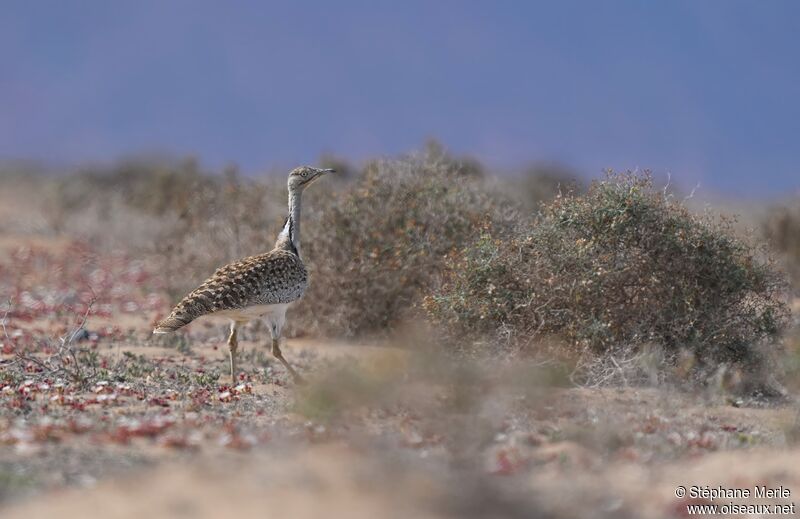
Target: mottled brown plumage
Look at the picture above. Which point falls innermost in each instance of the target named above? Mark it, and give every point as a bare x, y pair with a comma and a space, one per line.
255, 287
276, 277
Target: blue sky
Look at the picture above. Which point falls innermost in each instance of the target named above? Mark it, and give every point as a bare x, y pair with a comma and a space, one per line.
706, 90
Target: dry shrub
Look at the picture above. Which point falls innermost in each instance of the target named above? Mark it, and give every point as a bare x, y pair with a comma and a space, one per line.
782, 228
152, 186
186, 221
542, 182
622, 267
376, 248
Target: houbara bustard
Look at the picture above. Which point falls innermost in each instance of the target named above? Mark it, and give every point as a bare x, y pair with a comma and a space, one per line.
260, 286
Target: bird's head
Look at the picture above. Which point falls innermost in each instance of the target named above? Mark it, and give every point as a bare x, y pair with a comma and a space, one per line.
302, 177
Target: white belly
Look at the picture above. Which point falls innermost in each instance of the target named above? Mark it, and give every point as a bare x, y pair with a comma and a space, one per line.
273, 313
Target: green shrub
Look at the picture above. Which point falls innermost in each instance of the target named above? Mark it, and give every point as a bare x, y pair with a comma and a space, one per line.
621, 267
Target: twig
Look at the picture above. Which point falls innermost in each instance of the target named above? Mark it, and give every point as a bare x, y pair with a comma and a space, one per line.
691, 195
83, 320
621, 371
3, 320
78, 373
63, 362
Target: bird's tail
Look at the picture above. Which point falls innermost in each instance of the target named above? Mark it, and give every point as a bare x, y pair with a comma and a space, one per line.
169, 325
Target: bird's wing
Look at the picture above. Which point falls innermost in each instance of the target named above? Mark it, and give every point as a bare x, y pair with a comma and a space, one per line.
272, 278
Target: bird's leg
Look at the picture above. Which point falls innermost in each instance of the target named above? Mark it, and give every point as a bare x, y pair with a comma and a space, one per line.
276, 351
233, 344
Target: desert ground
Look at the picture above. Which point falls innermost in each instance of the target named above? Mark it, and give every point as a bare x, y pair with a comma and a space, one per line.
98, 418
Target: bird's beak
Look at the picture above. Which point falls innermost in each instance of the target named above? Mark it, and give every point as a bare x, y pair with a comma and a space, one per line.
318, 172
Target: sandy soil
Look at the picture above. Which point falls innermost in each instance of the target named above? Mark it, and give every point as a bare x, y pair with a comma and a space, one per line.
349, 477
152, 427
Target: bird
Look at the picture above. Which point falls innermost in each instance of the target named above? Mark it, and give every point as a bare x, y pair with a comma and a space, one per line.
256, 287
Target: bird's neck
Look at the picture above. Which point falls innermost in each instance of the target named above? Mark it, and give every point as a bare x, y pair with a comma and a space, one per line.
289, 238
